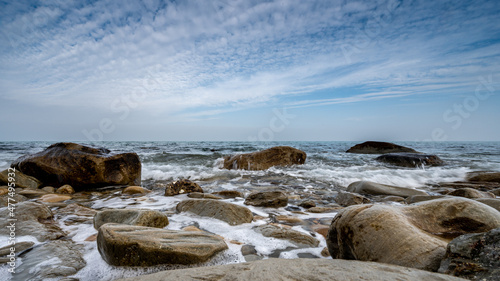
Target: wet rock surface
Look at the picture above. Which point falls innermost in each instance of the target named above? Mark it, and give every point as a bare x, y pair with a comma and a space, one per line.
125, 245
273, 199
296, 237
411, 160
265, 159
230, 213
21, 180
368, 187
181, 187
139, 217
474, 256
414, 236
81, 166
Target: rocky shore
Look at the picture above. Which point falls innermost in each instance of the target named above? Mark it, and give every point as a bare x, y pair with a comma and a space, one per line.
366, 230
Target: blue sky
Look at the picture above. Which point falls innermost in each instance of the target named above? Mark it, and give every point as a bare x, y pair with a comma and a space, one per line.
249, 70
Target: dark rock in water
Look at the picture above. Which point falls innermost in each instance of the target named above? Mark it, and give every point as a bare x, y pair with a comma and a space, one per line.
297, 269
413, 236
273, 199
229, 193
296, 237
474, 256
228, 212
307, 204
486, 177
182, 186
373, 188
265, 159
126, 245
21, 180
33, 219
378, 147
410, 159
55, 259
347, 199
470, 193
139, 217
81, 166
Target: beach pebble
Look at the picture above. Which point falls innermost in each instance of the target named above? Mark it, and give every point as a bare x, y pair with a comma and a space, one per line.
139, 217
307, 204
54, 198
296, 237
273, 199
407, 235
134, 189
49, 189
181, 187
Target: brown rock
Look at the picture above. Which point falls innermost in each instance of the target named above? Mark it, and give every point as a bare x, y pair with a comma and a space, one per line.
492, 202
410, 159
230, 213
126, 245
182, 186
53, 198
49, 189
21, 180
373, 188
3, 191
139, 217
265, 159
486, 177
203, 196
6, 199
414, 236
273, 199
422, 198
135, 190
471, 193
298, 238
378, 147
91, 238
289, 220
65, 189
229, 193
348, 198
81, 166
191, 228
325, 252
32, 193
307, 204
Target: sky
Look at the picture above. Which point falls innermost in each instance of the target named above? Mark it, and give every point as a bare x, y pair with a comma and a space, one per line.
250, 70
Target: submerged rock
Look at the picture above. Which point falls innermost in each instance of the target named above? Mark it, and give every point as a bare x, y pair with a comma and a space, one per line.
296, 237
126, 245
474, 256
224, 211
265, 159
55, 259
379, 147
33, 219
139, 217
182, 186
486, 177
297, 269
373, 188
411, 160
81, 166
21, 180
413, 236
273, 199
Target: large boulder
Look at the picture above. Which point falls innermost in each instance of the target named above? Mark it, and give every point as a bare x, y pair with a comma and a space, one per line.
265, 159
21, 180
474, 256
127, 245
485, 177
413, 236
182, 186
32, 219
297, 269
274, 199
379, 147
296, 237
373, 188
139, 217
410, 159
224, 211
55, 259
81, 166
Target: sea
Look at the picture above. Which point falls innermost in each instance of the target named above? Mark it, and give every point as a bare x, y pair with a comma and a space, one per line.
328, 169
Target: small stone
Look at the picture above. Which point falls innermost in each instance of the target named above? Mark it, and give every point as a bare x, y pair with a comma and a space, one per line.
248, 250
307, 204
181, 187
348, 198
49, 189
91, 238
139, 217
289, 220
54, 198
191, 228
134, 189
325, 252
65, 189
229, 193
298, 238
273, 199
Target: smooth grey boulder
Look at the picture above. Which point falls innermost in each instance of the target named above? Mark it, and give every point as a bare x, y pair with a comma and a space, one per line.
128, 245
139, 217
224, 211
373, 188
297, 269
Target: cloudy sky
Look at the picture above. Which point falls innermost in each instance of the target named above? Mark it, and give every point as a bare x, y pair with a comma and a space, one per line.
249, 70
